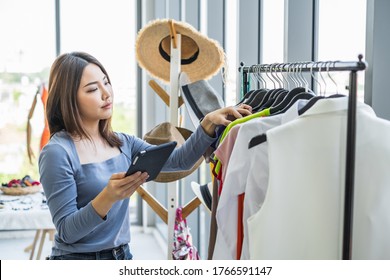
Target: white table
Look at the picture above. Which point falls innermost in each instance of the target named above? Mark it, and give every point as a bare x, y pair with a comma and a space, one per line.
27, 212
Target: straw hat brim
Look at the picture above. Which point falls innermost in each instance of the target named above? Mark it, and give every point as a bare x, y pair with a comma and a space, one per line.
166, 132
209, 60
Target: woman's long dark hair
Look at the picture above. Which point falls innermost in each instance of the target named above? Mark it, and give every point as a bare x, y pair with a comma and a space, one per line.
62, 111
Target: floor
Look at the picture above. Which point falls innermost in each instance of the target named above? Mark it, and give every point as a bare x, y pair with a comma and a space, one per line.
144, 246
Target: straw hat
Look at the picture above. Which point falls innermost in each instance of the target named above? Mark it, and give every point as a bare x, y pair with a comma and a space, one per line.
201, 57
164, 133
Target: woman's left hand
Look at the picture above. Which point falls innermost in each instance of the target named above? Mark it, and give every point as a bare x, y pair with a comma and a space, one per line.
224, 116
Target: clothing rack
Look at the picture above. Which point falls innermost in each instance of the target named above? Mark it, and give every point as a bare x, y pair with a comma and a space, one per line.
331, 66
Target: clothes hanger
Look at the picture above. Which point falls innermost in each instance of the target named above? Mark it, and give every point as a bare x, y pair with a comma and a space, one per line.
310, 104
246, 97
277, 79
280, 98
268, 94
266, 105
272, 101
337, 94
284, 77
321, 96
279, 95
290, 95
291, 75
293, 96
266, 97
257, 140
253, 96
301, 79
313, 100
257, 98
300, 96
261, 95
262, 138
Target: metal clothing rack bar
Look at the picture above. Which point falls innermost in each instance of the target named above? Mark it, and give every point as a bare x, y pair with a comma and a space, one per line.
353, 67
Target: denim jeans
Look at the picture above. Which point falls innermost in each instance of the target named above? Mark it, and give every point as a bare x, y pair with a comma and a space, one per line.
119, 253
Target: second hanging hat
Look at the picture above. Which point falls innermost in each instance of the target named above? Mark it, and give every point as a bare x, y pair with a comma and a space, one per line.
200, 98
204, 193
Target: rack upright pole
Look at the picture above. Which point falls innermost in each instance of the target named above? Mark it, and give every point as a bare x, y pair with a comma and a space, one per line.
350, 167
175, 68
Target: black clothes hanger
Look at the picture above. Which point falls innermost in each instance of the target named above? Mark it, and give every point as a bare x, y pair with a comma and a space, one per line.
269, 94
310, 104
280, 97
336, 95
257, 140
264, 106
271, 100
252, 97
299, 96
286, 100
257, 97
275, 98
265, 98
276, 92
315, 99
246, 97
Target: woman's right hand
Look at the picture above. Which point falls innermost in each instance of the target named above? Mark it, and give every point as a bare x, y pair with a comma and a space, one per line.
118, 187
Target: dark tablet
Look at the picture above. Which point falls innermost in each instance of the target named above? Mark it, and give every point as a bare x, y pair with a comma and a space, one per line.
151, 160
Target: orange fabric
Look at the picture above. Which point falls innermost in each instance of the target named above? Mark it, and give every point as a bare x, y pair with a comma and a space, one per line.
240, 224
46, 132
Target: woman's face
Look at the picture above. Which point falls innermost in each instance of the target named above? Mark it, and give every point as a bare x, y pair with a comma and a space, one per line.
94, 96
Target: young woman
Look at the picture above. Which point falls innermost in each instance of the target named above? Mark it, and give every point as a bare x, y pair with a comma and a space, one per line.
82, 167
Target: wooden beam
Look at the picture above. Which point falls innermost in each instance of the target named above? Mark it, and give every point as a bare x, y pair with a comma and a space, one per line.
157, 207
162, 93
190, 207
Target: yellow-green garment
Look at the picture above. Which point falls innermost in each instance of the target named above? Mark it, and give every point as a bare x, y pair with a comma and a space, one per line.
263, 113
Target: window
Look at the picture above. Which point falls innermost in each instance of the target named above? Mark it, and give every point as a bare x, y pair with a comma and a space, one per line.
106, 30
231, 53
341, 36
272, 34
273, 31
26, 53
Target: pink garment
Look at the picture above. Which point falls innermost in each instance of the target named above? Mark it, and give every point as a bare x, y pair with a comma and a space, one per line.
225, 148
223, 153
